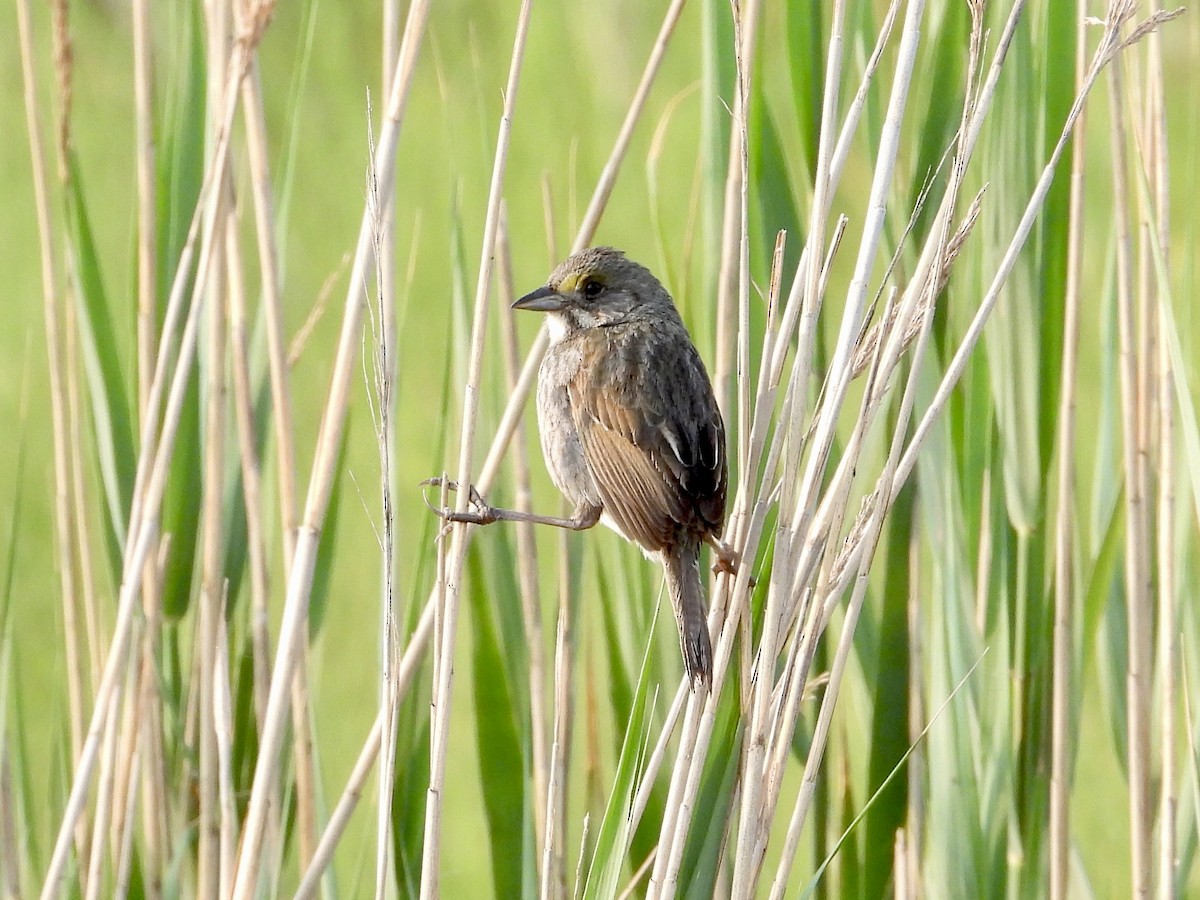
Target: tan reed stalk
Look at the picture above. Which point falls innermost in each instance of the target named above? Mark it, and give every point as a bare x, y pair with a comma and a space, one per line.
223, 725
383, 370
555, 790
1137, 568
527, 569
554, 873
127, 773
208, 856
242, 403
91, 881
1061, 745
745, 34
551, 876
124, 855
154, 788
1157, 222
320, 486
385, 373
283, 430
52, 317
303, 762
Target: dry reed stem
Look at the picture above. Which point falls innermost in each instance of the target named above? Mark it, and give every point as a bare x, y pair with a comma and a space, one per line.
52, 317
553, 868
527, 569
381, 380
388, 338
1137, 563
1158, 227
744, 40
1064, 571
212, 370
154, 801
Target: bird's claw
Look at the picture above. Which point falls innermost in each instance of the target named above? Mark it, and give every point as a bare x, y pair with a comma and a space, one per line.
728, 562
483, 514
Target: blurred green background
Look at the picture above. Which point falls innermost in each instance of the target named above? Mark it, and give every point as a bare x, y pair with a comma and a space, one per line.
582, 65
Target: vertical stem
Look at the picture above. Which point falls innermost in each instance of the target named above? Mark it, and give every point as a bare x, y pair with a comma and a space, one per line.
1137, 572
1061, 749
531, 605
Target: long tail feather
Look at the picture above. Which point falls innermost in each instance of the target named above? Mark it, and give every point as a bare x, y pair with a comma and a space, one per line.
682, 564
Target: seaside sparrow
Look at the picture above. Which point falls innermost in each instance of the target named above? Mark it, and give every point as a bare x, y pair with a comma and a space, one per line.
630, 429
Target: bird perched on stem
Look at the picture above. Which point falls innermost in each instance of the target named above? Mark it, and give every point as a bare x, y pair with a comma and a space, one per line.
630, 428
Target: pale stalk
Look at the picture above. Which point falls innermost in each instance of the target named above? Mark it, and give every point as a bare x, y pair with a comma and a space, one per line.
223, 722
1167, 613
386, 373
154, 803
553, 870
1064, 574
51, 317
527, 570
1137, 568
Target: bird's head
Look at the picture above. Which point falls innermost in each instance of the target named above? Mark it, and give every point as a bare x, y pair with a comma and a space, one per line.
597, 287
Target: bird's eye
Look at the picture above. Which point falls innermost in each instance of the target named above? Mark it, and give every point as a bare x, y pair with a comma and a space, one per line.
592, 289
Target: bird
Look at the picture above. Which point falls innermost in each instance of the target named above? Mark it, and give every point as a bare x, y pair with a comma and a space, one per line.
630, 429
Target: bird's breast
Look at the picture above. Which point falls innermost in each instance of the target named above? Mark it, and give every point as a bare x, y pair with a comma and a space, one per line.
560, 439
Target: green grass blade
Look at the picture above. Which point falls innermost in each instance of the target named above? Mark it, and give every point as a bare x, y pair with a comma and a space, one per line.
501, 758
612, 838
108, 392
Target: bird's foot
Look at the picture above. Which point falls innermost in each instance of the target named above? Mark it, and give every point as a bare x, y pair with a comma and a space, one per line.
729, 561
480, 514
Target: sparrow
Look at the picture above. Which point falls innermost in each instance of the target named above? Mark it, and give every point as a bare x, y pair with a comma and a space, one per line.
630, 428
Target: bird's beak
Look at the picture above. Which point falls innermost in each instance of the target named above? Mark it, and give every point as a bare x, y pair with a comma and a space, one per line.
544, 299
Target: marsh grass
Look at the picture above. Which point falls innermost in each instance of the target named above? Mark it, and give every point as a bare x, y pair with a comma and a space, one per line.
946, 314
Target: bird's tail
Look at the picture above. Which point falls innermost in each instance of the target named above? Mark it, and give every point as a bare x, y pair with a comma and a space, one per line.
682, 564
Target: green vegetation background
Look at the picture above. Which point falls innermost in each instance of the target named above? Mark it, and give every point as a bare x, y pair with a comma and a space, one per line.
582, 65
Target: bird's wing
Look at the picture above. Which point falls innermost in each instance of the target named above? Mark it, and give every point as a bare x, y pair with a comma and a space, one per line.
653, 437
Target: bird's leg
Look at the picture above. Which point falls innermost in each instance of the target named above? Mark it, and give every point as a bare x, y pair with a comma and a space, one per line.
584, 517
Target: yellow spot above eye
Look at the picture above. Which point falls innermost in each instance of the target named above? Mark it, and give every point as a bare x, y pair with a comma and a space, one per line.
577, 282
